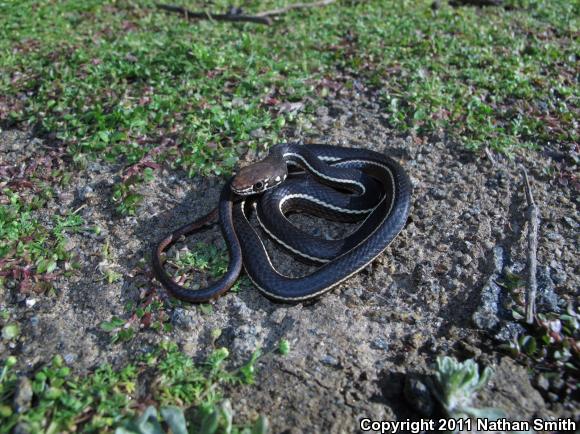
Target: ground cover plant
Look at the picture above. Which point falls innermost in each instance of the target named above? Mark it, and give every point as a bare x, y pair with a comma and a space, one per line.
55, 401
127, 86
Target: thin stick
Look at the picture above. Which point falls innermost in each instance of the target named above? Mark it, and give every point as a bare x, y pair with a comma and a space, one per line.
489, 156
190, 15
259, 18
288, 8
533, 215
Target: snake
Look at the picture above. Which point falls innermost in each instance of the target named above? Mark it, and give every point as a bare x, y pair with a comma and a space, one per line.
339, 183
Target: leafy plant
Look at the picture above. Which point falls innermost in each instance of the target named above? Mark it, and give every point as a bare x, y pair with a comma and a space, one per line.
284, 347
219, 420
149, 313
456, 384
104, 399
551, 346
204, 258
33, 252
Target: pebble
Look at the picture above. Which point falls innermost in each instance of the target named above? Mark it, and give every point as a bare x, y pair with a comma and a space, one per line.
509, 331
542, 383
85, 193
183, 319
486, 316
23, 395
438, 193
417, 394
30, 302
554, 236
466, 247
330, 360
379, 344
257, 133
547, 297
21, 428
242, 309
69, 358
322, 111
557, 274
557, 384
278, 316
571, 222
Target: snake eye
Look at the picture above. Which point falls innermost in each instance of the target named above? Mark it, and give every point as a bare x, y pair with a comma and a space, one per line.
258, 186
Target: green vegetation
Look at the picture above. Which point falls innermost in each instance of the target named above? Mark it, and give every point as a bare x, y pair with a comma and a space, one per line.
123, 81
109, 398
204, 258
31, 253
218, 421
550, 348
456, 384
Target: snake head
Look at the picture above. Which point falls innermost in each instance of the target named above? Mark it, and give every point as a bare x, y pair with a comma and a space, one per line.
258, 177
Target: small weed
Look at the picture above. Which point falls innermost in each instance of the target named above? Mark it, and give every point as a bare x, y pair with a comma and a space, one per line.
30, 253
106, 399
204, 258
10, 331
456, 384
148, 314
219, 420
552, 345
107, 265
283, 347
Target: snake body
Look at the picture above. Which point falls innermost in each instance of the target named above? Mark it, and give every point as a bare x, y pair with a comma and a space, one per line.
377, 190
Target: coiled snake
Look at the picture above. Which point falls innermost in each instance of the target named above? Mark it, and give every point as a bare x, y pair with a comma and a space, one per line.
377, 189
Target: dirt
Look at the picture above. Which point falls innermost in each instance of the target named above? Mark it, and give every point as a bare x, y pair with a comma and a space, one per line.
433, 292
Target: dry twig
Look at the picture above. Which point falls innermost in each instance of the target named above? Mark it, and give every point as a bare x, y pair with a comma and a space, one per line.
288, 8
479, 3
259, 18
489, 156
190, 15
533, 216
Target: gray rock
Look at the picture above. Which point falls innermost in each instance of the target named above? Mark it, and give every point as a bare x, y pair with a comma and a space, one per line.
509, 331
23, 395
380, 344
438, 193
183, 319
554, 236
69, 358
257, 133
354, 293
322, 111
247, 339
330, 360
542, 383
557, 384
486, 316
242, 309
21, 428
418, 396
571, 222
85, 192
557, 273
547, 300
278, 316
